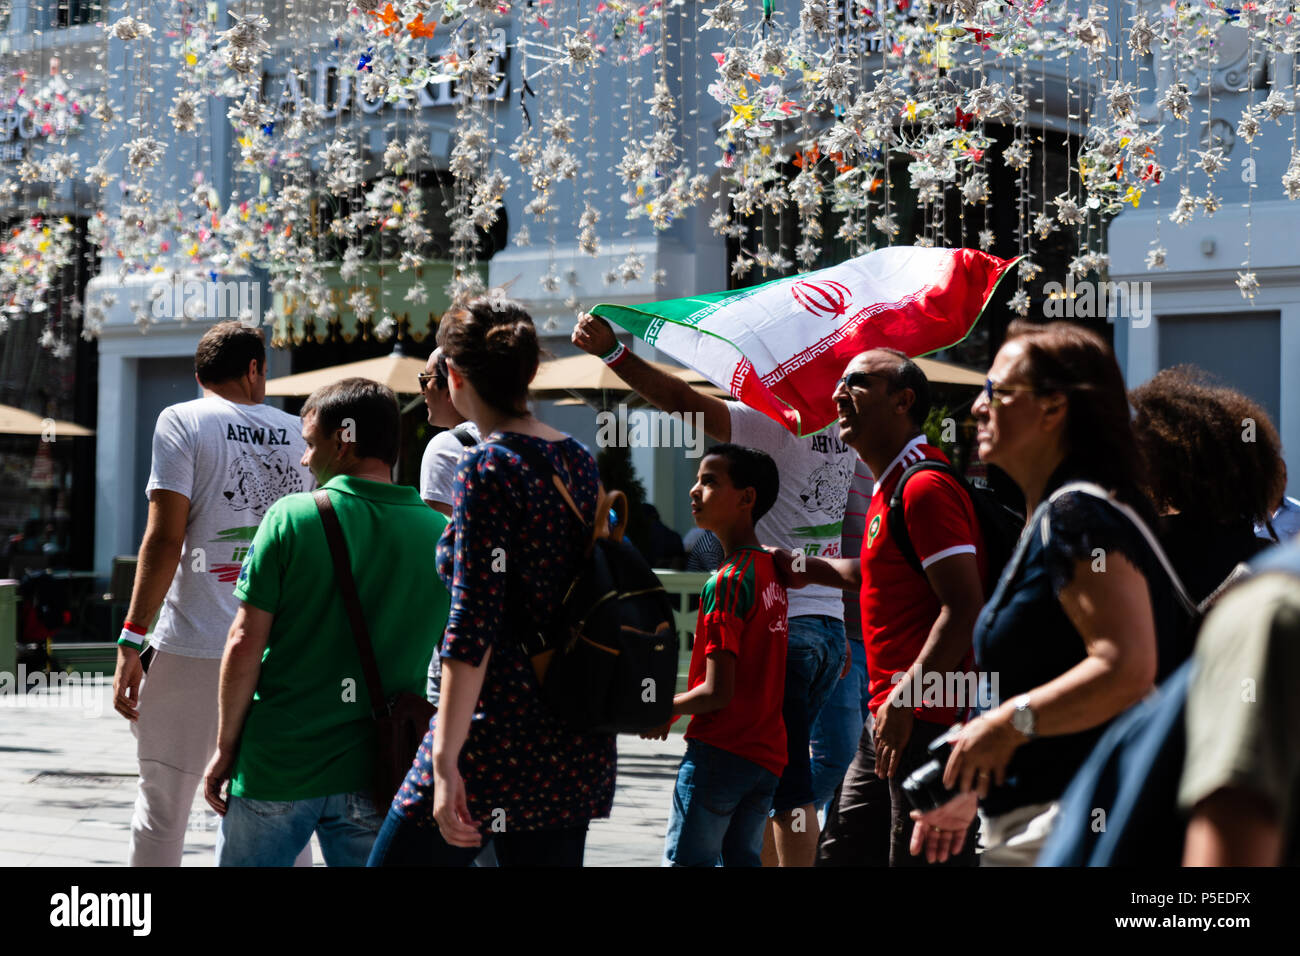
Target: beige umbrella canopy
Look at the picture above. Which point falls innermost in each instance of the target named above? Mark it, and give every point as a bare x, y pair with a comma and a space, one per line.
946, 373
587, 373
15, 421
395, 370
558, 377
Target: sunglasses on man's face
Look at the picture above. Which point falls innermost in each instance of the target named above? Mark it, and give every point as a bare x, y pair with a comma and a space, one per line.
856, 380
427, 377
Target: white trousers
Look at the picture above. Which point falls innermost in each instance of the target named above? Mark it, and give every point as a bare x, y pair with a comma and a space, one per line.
176, 736
1017, 837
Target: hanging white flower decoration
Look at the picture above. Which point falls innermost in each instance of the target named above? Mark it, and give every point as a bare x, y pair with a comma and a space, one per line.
1016, 155
1212, 160
361, 305
1248, 126
1019, 303
1141, 33
1068, 212
1291, 178
129, 28
185, 114
1156, 257
143, 153
1176, 100
1248, 284
1184, 209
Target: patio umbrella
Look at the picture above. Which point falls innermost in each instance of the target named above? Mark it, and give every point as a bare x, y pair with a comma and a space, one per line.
16, 421
396, 370
945, 373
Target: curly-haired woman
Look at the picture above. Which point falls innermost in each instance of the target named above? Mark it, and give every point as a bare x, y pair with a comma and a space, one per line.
1212, 466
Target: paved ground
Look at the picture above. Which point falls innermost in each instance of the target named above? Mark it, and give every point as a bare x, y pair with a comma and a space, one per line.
68, 775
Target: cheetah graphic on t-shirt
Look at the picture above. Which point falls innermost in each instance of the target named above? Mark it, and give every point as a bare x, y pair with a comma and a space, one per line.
827, 490
258, 481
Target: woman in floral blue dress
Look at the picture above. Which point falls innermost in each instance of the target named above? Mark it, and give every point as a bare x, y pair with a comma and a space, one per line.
496, 766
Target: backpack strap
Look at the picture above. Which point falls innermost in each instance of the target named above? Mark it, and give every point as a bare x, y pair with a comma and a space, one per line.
464, 435
538, 643
542, 464
347, 586
1097, 491
894, 516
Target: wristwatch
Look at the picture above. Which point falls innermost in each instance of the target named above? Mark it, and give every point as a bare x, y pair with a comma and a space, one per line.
1022, 718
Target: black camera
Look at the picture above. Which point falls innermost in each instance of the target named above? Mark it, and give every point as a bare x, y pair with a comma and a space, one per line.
924, 786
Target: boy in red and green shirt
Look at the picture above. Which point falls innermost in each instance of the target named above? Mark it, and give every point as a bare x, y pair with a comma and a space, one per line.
736, 746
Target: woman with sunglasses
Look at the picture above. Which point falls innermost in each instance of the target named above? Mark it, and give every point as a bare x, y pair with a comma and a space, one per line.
1083, 621
497, 766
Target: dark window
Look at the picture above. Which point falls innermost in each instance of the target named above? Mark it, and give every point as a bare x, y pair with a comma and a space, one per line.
73, 13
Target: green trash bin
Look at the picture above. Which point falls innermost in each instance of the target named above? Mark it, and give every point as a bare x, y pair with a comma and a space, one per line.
9, 626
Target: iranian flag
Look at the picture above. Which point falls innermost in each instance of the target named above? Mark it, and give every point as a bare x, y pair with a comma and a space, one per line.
781, 346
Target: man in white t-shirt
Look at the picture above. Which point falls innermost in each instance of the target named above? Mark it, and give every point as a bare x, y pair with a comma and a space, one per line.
219, 462
442, 454
438, 466
815, 474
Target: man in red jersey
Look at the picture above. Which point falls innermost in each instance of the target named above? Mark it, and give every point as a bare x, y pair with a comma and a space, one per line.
916, 627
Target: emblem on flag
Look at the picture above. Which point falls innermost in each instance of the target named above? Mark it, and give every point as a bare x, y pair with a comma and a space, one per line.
826, 298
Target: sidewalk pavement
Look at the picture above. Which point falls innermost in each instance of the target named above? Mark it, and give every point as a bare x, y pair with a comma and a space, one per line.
68, 784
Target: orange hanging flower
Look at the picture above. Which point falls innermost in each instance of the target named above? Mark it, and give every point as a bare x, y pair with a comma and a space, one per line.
387, 16
419, 29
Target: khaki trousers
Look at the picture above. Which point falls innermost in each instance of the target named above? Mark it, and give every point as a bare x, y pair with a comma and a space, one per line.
176, 736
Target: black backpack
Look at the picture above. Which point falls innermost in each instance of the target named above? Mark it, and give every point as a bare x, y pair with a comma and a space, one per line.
607, 660
1000, 526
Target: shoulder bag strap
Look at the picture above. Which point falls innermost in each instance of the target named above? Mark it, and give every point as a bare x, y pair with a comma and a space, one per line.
348, 591
1096, 491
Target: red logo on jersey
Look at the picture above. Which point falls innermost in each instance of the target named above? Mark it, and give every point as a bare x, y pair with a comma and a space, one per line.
825, 297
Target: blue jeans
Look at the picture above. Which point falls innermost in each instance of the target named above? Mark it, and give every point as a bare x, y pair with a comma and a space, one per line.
273, 832
813, 661
837, 729
403, 842
720, 806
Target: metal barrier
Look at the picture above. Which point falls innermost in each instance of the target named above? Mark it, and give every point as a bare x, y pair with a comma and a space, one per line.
681, 587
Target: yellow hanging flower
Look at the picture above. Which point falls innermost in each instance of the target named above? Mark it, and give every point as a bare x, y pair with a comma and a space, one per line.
1134, 195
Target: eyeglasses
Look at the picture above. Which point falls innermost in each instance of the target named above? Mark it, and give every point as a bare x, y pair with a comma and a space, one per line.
995, 393
425, 378
856, 380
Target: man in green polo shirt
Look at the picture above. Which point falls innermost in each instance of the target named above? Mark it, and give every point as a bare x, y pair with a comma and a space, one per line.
295, 739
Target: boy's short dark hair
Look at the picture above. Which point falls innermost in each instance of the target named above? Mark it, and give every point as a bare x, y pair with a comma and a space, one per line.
750, 468
225, 350
372, 407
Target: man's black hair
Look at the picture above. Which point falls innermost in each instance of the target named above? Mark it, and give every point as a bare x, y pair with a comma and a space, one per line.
908, 374
750, 468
